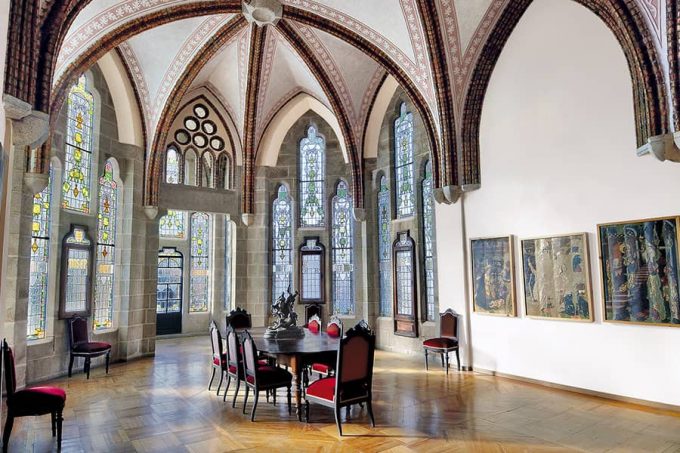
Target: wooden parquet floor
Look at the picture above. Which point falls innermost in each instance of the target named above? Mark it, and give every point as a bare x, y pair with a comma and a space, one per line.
161, 404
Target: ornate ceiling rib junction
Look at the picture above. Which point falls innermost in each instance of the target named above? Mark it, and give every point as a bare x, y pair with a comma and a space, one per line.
441, 52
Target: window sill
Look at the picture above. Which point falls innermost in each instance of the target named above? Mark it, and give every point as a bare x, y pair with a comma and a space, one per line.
199, 313
346, 316
39, 342
105, 331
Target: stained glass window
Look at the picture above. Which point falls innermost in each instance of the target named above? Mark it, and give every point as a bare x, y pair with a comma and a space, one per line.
404, 275
311, 271
229, 231
429, 239
169, 286
79, 130
384, 248
171, 225
403, 163
172, 166
312, 179
342, 245
76, 294
106, 247
282, 243
199, 286
40, 254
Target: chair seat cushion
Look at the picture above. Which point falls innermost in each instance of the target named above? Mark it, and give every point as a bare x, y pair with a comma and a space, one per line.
441, 343
320, 368
323, 389
37, 400
91, 347
271, 375
216, 360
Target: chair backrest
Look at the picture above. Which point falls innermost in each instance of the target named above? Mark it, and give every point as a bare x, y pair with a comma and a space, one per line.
334, 327
314, 324
216, 340
448, 324
249, 358
78, 331
354, 369
239, 319
233, 355
8, 365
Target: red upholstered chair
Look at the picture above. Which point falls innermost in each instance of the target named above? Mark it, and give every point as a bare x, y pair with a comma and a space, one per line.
314, 324
262, 377
353, 378
447, 340
219, 357
81, 346
30, 401
333, 329
239, 319
234, 363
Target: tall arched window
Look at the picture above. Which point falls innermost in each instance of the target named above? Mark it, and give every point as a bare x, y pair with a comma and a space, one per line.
78, 165
190, 167
207, 169
199, 285
224, 169
172, 225
384, 248
312, 179
40, 254
403, 163
229, 233
172, 166
342, 251
106, 247
282, 243
429, 241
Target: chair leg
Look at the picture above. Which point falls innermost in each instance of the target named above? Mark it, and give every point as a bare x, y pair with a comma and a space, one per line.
306, 411
87, 367
8, 430
337, 419
274, 396
238, 385
446, 354
220, 384
441, 356
60, 419
347, 412
458, 359
245, 400
369, 406
252, 413
211, 378
427, 368
54, 424
70, 365
290, 410
108, 360
227, 389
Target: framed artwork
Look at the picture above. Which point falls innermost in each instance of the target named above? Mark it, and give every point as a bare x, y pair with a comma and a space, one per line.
493, 276
76, 273
311, 266
639, 265
405, 285
557, 277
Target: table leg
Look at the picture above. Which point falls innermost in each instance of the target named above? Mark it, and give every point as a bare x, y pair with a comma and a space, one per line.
296, 370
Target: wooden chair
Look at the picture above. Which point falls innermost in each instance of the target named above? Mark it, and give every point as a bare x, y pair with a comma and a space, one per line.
447, 340
239, 319
219, 357
353, 378
234, 363
81, 346
262, 377
30, 401
333, 329
314, 324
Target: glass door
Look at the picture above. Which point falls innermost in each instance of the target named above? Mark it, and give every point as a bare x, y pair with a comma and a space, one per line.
169, 292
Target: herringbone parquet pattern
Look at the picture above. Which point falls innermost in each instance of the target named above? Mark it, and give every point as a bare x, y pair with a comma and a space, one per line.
162, 405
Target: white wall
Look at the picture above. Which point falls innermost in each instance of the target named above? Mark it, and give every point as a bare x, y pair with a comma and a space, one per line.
558, 156
4, 24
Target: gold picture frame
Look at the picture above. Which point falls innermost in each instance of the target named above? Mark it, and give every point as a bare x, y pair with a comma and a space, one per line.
492, 263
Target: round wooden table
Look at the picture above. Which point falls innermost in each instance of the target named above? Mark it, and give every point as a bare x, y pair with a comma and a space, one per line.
296, 353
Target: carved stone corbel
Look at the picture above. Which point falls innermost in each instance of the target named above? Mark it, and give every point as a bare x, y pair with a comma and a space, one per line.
151, 212
439, 196
359, 214
36, 182
262, 12
662, 147
247, 219
29, 127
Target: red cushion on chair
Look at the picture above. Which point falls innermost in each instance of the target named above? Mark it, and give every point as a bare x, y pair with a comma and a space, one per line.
37, 400
232, 369
323, 388
263, 362
320, 368
93, 346
442, 343
314, 326
333, 330
271, 375
216, 360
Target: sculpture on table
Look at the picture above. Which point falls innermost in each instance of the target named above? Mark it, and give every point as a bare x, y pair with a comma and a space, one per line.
285, 318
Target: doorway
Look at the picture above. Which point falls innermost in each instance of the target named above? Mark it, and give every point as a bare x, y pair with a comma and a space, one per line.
169, 292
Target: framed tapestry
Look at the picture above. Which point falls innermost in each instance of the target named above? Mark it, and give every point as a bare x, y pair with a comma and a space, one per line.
639, 265
556, 273
493, 276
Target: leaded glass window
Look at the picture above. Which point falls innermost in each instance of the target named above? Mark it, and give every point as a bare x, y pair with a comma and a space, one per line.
79, 130
429, 239
171, 225
404, 263
106, 247
312, 179
172, 166
312, 287
403, 163
282, 243
190, 167
40, 254
169, 286
229, 231
199, 285
76, 273
342, 251
384, 250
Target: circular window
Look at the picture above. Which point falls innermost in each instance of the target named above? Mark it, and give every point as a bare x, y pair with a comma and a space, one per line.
200, 140
216, 143
209, 127
200, 111
191, 124
182, 137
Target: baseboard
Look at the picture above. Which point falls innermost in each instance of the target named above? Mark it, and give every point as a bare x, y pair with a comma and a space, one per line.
669, 409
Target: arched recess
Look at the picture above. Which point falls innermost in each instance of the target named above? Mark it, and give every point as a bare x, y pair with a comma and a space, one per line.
626, 21
270, 144
375, 119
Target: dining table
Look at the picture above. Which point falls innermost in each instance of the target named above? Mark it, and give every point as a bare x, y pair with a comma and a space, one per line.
297, 353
